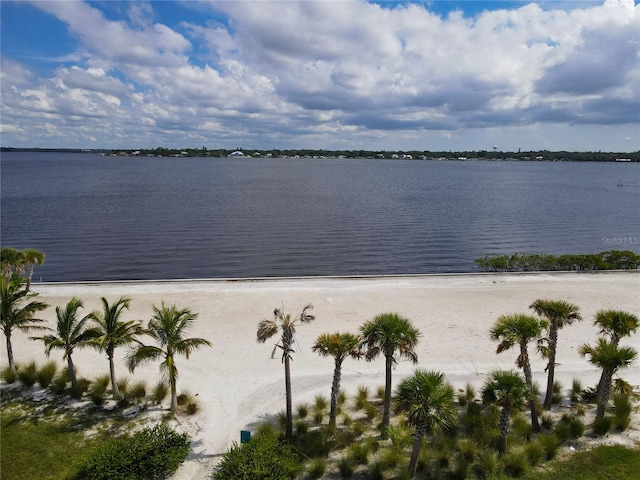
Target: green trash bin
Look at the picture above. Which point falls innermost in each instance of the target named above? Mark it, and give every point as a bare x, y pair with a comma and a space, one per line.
245, 436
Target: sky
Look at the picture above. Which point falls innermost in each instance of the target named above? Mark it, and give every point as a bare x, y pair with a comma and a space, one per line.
329, 74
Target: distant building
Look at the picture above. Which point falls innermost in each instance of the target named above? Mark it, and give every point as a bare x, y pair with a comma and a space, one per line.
237, 153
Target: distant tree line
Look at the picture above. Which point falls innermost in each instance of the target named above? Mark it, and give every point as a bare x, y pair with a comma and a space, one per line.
540, 156
536, 262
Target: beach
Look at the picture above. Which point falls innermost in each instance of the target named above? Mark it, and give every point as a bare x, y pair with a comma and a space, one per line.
238, 384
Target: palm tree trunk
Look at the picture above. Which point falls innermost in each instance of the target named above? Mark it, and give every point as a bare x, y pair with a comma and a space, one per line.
29, 276
174, 394
604, 391
387, 397
335, 390
72, 371
504, 431
415, 451
12, 365
112, 372
526, 367
551, 366
287, 386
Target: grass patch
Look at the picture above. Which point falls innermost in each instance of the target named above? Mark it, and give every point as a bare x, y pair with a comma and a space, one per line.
600, 463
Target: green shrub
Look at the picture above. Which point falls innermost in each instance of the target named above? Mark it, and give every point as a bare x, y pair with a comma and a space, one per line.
192, 408
303, 410
569, 426
183, 398
320, 403
317, 418
521, 427
535, 452
515, 462
622, 411
576, 390
28, 374
467, 449
400, 436
486, 465
362, 398
550, 443
123, 387
317, 467
360, 452
393, 457
150, 453
159, 393
58, 385
546, 421
346, 467
98, 389
301, 428
268, 428
376, 470
9, 375
358, 428
380, 391
263, 457
556, 393
342, 398
346, 420
589, 395
46, 373
138, 390
80, 388
371, 411
602, 427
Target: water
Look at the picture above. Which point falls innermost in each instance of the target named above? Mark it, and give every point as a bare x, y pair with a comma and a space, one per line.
112, 218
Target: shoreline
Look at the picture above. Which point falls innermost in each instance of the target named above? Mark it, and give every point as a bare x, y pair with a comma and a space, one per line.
238, 384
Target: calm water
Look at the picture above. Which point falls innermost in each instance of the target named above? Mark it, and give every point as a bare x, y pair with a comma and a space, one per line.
106, 218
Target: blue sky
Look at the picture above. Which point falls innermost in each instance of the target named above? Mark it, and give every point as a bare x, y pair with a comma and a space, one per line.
429, 75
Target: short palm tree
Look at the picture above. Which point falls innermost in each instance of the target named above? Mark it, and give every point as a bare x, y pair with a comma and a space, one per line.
389, 333
71, 333
114, 333
559, 314
610, 358
31, 257
287, 324
520, 329
509, 391
17, 312
168, 328
339, 346
11, 261
427, 401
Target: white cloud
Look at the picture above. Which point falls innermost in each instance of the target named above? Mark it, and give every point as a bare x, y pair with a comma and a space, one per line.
303, 72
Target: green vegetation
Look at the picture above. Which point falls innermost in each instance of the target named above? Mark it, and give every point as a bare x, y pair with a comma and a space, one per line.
537, 262
150, 453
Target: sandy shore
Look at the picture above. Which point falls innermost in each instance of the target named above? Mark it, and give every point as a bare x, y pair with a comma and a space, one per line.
238, 384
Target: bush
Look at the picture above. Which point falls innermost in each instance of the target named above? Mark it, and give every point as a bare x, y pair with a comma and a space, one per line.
589, 395
556, 393
317, 467
98, 389
576, 390
346, 467
80, 388
123, 387
393, 457
362, 397
376, 470
515, 463
535, 452
138, 390
28, 374
301, 428
486, 464
622, 411
303, 410
400, 436
8, 375
360, 452
546, 421
371, 411
46, 373
602, 427
569, 426
380, 391
160, 392
150, 453
262, 457
184, 398
192, 408
550, 443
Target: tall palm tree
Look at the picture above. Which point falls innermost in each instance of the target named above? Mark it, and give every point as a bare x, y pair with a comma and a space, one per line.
31, 257
287, 324
10, 261
427, 401
168, 328
558, 313
386, 334
339, 346
71, 333
611, 358
520, 329
509, 391
615, 324
15, 314
114, 333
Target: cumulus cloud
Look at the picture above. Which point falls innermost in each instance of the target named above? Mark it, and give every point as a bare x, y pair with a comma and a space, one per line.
257, 73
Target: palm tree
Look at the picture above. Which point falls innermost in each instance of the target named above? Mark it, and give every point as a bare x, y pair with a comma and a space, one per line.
520, 329
14, 314
168, 327
558, 313
10, 261
31, 257
114, 333
509, 391
611, 358
71, 333
339, 346
616, 324
427, 401
386, 334
267, 329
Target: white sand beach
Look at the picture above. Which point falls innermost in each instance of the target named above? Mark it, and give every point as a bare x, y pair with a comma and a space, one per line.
238, 384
